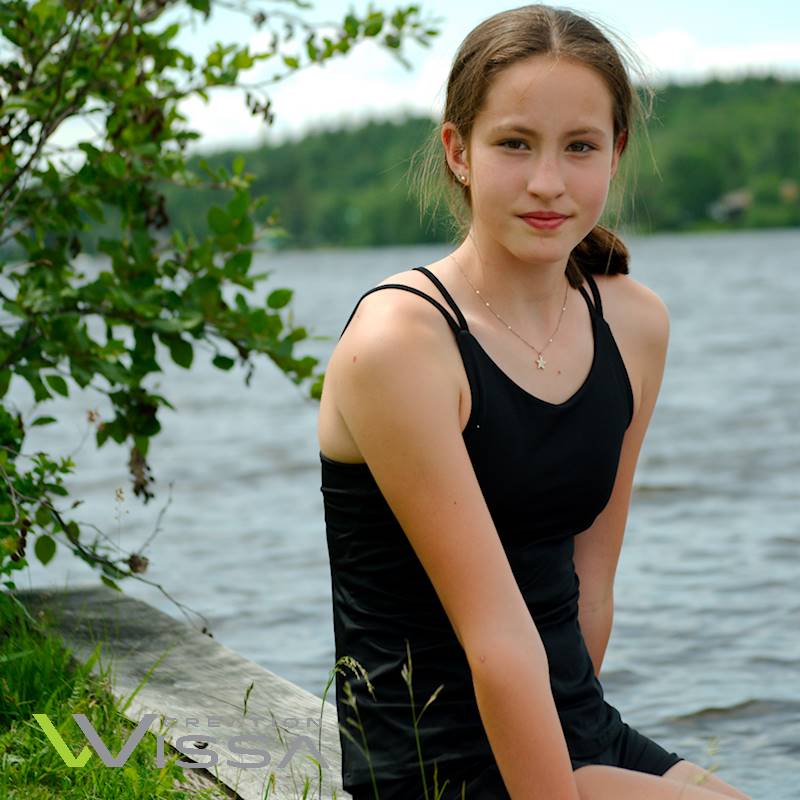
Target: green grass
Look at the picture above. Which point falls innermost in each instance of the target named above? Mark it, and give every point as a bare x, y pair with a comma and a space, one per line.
38, 675
355, 722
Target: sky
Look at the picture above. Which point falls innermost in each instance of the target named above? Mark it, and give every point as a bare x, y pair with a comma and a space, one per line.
682, 40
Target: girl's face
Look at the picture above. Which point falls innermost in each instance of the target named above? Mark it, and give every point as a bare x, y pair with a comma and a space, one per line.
542, 142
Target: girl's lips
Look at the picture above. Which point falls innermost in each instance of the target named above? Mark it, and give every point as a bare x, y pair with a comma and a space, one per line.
542, 223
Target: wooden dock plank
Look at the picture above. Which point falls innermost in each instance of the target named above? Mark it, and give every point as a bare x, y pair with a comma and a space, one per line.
199, 689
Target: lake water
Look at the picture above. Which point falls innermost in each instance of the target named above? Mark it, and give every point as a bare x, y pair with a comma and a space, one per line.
704, 656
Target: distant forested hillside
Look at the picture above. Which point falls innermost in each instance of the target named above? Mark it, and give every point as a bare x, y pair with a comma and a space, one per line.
335, 187
726, 151
727, 155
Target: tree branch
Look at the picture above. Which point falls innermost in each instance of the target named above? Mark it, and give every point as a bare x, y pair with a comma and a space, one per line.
50, 124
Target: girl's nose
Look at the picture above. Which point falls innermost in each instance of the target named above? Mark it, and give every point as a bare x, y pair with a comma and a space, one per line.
545, 178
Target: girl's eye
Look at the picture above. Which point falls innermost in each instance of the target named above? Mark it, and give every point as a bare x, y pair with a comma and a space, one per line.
589, 147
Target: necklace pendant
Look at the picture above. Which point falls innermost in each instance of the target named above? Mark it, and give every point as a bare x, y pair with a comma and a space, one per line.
540, 362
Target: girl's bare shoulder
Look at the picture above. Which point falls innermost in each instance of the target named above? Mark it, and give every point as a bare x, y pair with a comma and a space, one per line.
634, 309
398, 314
402, 305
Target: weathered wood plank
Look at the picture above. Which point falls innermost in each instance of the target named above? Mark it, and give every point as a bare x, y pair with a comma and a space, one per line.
198, 688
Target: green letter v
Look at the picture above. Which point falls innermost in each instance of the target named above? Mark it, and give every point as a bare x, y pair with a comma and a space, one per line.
61, 748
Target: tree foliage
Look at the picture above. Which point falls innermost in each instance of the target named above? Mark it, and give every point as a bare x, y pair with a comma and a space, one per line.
717, 137
115, 65
348, 187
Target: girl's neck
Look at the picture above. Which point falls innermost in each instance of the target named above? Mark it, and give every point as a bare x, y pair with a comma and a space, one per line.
515, 289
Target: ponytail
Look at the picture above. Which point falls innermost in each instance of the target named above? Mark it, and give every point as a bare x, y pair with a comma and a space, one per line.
599, 252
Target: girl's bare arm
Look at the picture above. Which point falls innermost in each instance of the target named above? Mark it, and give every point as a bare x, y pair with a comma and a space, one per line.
399, 400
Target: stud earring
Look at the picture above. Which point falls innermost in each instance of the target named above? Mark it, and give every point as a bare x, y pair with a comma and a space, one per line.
462, 178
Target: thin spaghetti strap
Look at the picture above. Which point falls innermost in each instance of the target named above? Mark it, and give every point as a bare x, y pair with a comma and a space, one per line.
598, 303
445, 313
452, 303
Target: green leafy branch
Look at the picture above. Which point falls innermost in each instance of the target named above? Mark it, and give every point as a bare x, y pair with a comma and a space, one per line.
111, 65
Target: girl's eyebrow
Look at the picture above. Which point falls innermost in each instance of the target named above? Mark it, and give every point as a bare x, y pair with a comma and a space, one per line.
531, 132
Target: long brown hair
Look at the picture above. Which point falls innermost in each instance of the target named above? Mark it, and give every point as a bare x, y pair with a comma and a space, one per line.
494, 45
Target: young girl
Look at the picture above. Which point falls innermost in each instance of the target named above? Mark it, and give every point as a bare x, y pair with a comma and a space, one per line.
479, 431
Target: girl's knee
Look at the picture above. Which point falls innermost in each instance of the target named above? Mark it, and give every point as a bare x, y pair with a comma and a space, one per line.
686, 772
600, 782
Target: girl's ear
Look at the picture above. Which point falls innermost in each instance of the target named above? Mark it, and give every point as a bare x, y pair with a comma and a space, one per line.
619, 148
454, 149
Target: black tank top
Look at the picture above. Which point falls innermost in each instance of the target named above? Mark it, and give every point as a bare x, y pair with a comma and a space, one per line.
546, 471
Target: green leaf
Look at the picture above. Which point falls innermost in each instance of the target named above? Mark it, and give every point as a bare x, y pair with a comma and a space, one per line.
80, 375
258, 320
279, 298
170, 32
223, 362
351, 25
102, 435
73, 531
5, 380
108, 582
14, 308
201, 5
298, 334
245, 231
143, 444
241, 303
43, 421
115, 165
14, 101
188, 321
91, 151
44, 548
43, 516
291, 61
44, 9
40, 392
140, 244
238, 263
237, 207
114, 372
181, 351
238, 165
219, 221
57, 384
243, 60
179, 241
373, 24
145, 347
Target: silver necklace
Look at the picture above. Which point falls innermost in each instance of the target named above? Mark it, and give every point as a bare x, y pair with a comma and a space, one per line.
540, 362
